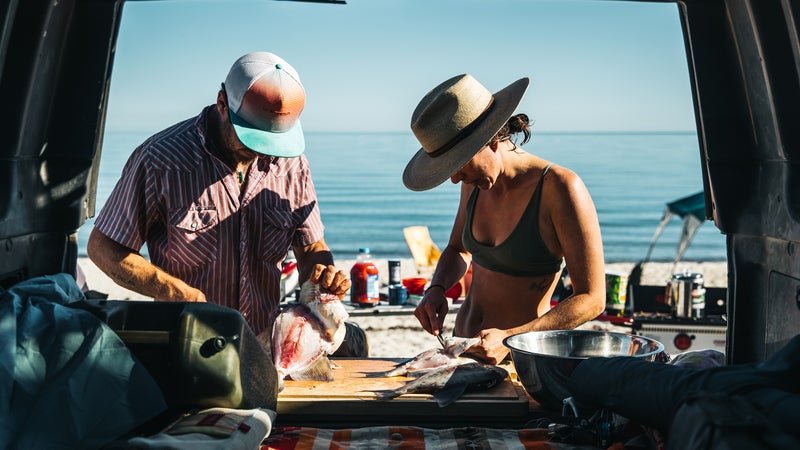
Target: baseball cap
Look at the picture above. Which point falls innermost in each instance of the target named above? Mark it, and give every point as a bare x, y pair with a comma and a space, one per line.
265, 99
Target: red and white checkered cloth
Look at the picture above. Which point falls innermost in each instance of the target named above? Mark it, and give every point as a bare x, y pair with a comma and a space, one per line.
396, 437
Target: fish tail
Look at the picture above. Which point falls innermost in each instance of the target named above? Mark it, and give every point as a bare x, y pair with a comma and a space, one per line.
448, 395
319, 370
281, 385
384, 395
398, 372
388, 374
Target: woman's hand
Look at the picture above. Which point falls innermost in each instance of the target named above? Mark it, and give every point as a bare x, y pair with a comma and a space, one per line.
432, 310
491, 349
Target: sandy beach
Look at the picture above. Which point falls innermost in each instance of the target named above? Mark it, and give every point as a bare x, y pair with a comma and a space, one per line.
400, 336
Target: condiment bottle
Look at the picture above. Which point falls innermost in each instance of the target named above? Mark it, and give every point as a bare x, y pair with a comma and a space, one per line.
365, 283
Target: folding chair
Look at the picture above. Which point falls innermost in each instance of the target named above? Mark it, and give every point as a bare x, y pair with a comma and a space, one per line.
426, 254
424, 251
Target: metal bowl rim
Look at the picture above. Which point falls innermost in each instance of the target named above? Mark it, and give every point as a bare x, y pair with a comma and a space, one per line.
659, 345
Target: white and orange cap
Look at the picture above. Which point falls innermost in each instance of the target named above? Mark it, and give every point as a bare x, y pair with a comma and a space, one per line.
265, 99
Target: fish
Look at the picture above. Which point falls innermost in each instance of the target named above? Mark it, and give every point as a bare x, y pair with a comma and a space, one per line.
448, 383
433, 358
328, 308
306, 333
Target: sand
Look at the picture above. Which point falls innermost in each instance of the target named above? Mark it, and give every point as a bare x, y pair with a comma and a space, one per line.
400, 336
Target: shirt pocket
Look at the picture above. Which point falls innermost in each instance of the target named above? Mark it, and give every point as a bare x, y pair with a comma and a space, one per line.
278, 229
194, 236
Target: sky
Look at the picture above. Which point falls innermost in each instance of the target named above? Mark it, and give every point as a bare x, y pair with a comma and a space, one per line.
594, 65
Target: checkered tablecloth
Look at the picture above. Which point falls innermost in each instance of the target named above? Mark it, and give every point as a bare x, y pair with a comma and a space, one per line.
396, 437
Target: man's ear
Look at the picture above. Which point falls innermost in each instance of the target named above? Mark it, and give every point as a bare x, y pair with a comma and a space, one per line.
222, 102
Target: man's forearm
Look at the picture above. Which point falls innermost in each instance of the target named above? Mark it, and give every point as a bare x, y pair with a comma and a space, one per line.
311, 255
132, 271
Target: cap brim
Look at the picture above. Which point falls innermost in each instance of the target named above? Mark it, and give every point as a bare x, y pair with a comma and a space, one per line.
287, 144
423, 172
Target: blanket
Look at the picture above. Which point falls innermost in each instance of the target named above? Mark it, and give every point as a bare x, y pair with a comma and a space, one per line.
296, 438
66, 379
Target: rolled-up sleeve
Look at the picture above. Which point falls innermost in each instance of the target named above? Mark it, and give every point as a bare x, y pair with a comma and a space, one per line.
130, 208
311, 229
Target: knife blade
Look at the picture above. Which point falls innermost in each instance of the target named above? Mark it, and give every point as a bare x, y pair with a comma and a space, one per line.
441, 339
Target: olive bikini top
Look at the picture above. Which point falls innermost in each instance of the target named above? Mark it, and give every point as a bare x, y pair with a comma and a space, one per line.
523, 253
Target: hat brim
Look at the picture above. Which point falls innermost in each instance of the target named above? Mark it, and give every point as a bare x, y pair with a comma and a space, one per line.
288, 144
423, 172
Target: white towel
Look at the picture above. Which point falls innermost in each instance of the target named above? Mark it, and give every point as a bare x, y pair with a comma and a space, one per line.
214, 428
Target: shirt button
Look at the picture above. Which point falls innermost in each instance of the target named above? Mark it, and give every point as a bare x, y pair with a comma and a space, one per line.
194, 225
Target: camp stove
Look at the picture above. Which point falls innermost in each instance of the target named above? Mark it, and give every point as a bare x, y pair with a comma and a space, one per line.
656, 318
682, 334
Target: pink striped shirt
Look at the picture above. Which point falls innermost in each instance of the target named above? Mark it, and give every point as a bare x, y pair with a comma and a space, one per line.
186, 205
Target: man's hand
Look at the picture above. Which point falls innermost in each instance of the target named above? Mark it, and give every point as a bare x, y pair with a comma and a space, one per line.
317, 261
331, 279
190, 294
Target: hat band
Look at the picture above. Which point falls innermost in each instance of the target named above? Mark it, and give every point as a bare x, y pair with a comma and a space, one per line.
464, 131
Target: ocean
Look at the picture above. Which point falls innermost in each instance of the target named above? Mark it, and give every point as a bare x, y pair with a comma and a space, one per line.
631, 177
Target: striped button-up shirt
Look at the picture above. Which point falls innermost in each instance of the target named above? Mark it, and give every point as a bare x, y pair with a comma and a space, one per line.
186, 205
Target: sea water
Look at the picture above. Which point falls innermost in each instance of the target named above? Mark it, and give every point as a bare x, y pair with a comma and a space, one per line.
358, 178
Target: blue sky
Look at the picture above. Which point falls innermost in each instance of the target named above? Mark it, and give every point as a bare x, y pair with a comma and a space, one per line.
595, 65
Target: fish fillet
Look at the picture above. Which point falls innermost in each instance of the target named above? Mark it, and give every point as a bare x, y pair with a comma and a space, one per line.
434, 358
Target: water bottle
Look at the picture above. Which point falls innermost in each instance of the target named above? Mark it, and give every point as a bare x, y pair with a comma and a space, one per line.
365, 283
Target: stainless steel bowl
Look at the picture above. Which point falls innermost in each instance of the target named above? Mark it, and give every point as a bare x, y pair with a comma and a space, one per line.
544, 360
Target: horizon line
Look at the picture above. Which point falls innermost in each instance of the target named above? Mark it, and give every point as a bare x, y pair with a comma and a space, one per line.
409, 131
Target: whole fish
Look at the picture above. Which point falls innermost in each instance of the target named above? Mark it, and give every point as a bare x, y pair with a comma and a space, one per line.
447, 384
433, 358
304, 334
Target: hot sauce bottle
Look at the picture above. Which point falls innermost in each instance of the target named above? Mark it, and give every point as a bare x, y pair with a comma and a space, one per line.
364, 280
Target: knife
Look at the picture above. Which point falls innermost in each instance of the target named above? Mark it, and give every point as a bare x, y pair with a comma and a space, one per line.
441, 339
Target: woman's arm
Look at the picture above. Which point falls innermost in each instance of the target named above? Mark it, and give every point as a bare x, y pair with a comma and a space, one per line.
451, 267
577, 230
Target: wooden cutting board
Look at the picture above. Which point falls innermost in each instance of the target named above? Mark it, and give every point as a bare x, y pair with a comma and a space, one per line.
352, 393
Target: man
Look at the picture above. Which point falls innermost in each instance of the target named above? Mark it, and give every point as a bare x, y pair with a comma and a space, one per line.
219, 199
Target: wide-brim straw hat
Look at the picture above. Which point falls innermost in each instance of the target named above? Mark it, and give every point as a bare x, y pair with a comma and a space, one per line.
453, 122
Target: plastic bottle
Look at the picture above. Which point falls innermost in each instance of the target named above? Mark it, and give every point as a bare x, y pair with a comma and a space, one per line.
364, 279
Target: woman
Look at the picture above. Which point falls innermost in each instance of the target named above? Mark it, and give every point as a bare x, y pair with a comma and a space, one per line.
519, 218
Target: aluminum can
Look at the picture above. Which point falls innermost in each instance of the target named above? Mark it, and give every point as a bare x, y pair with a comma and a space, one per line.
616, 292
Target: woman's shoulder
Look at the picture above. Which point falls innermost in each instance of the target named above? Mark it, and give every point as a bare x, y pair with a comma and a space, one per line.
559, 175
563, 182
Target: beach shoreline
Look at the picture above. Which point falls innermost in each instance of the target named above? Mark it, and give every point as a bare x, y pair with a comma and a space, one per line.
400, 336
